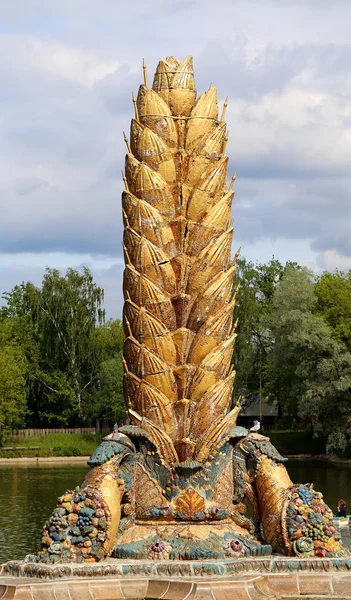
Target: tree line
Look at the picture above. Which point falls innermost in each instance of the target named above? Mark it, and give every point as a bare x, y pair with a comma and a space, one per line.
294, 344
61, 360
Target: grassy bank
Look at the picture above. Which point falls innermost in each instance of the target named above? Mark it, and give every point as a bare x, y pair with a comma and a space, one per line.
297, 442
70, 444
57, 444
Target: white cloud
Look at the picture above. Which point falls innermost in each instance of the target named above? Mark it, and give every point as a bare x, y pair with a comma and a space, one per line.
52, 59
296, 129
330, 260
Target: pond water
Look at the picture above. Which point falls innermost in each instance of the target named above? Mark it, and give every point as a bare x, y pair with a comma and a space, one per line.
27, 497
28, 494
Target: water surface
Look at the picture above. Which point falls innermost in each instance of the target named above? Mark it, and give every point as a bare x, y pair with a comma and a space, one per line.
28, 494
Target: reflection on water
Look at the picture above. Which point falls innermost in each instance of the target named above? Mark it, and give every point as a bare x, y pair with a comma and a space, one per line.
28, 494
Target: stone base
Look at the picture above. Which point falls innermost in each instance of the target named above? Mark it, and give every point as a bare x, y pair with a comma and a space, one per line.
237, 579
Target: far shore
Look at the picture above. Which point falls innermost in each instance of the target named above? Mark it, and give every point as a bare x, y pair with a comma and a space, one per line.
23, 460
322, 457
70, 460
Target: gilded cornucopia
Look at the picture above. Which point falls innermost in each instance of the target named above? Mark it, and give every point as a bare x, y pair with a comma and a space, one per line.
172, 485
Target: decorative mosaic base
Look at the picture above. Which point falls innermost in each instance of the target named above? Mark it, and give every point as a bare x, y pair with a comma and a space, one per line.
240, 579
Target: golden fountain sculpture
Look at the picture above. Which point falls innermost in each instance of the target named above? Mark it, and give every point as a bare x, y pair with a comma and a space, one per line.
172, 485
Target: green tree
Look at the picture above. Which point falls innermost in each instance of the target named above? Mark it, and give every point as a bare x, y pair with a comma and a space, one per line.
288, 322
108, 403
333, 292
16, 318
67, 310
19, 302
13, 368
110, 338
110, 400
254, 304
63, 315
307, 371
327, 393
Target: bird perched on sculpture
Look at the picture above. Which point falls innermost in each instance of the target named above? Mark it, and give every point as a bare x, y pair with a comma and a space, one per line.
256, 426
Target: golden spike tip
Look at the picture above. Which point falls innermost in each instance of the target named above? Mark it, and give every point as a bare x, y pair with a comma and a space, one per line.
127, 143
127, 255
125, 182
225, 142
233, 329
135, 107
146, 83
232, 181
225, 105
130, 333
125, 216
235, 292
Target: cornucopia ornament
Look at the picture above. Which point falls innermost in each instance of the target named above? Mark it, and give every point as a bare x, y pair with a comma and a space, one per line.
173, 483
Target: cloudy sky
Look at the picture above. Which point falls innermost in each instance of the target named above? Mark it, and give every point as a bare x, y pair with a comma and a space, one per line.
67, 70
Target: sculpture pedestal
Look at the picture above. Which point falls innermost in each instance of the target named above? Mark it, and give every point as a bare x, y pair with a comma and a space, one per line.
240, 579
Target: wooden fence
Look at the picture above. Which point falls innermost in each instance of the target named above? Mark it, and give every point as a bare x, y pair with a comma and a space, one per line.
21, 433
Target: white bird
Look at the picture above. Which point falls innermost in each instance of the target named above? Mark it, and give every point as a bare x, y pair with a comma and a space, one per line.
255, 426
